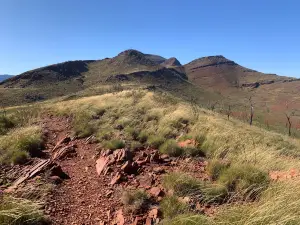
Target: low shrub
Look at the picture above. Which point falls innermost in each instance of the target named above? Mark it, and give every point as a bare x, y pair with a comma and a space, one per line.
170, 207
143, 136
5, 124
245, 181
171, 148
17, 146
132, 132
215, 167
114, 144
105, 134
193, 151
155, 141
188, 219
182, 184
83, 125
16, 211
135, 145
134, 201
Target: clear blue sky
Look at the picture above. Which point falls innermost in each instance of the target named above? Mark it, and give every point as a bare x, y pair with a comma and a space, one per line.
259, 34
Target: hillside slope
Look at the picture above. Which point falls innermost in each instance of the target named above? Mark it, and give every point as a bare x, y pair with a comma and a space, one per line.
219, 72
144, 157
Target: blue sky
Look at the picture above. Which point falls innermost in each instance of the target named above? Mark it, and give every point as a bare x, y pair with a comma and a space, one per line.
259, 34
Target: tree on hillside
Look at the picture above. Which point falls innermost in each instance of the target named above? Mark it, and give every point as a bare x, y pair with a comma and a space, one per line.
251, 110
288, 114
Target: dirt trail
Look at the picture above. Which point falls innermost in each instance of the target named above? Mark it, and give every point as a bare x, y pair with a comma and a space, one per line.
80, 199
88, 198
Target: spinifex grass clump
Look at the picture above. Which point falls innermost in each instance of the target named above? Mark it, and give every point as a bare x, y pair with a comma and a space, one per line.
17, 146
16, 211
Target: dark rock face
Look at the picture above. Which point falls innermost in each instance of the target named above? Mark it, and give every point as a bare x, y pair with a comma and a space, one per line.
161, 74
56, 72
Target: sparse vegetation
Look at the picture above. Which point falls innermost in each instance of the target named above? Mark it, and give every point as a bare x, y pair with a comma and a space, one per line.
171, 148
17, 146
134, 201
171, 207
155, 141
114, 144
244, 180
16, 211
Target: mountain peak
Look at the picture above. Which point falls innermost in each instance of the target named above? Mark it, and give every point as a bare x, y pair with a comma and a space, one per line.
171, 62
212, 61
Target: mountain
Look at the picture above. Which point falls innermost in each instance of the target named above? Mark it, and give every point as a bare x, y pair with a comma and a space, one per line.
171, 62
207, 80
218, 72
4, 77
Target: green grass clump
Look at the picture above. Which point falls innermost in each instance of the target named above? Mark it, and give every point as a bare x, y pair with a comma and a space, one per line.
184, 185
215, 167
132, 132
171, 148
188, 219
83, 125
192, 151
143, 136
135, 145
16, 211
134, 201
171, 207
114, 144
17, 146
244, 180
5, 124
104, 134
155, 141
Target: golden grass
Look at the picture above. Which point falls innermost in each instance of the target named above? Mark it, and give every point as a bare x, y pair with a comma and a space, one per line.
229, 140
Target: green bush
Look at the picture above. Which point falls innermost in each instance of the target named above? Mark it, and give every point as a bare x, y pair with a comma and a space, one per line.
135, 145
171, 148
114, 144
132, 132
246, 181
105, 134
143, 136
188, 219
16, 211
17, 146
215, 167
171, 207
192, 151
83, 125
5, 124
182, 184
155, 141
134, 201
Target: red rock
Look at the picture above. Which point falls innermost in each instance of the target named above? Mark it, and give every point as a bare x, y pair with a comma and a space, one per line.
158, 170
155, 191
148, 221
138, 221
101, 163
146, 181
119, 218
153, 214
64, 140
122, 155
116, 179
154, 157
